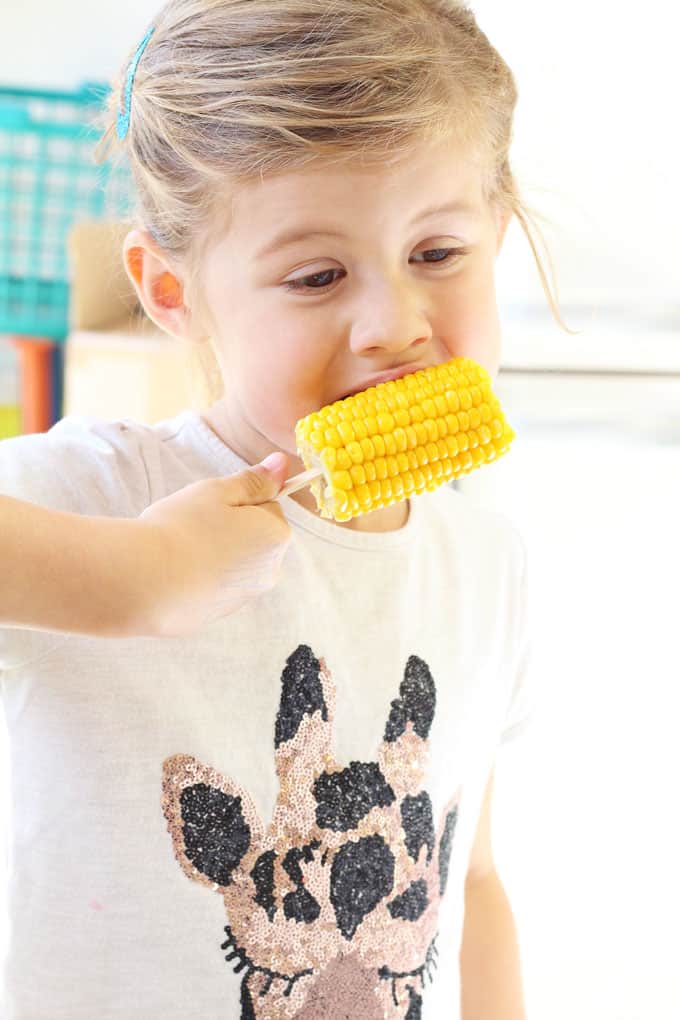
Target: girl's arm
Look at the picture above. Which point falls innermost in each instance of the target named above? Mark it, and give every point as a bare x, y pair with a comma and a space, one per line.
491, 978
490, 966
66, 572
190, 558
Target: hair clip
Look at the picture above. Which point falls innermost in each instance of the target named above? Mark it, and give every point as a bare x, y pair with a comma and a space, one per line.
123, 118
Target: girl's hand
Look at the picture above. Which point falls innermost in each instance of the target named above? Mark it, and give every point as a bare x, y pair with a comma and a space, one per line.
214, 546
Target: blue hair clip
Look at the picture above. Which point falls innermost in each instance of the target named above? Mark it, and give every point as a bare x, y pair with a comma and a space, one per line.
123, 118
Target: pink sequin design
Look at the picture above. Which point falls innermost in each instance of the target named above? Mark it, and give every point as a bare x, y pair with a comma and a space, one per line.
333, 907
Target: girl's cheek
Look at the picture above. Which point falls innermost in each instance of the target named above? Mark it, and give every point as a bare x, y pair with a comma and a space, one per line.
275, 412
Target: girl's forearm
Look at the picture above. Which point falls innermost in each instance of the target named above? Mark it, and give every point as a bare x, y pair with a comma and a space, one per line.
491, 981
73, 573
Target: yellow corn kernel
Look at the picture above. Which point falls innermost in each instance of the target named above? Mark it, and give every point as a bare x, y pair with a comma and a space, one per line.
465, 398
342, 458
451, 446
342, 480
421, 433
411, 437
363, 494
355, 452
360, 430
432, 429
402, 438
329, 458
484, 433
402, 463
368, 449
390, 443
345, 431
432, 452
358, 474
452, 401
374, 489
392, 467
418, 479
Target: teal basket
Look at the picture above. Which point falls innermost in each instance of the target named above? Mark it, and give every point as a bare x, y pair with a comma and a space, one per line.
48, 181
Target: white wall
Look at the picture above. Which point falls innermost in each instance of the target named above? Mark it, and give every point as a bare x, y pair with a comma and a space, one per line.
586, 831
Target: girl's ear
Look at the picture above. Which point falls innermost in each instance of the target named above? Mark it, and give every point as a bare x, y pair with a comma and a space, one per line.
159, 287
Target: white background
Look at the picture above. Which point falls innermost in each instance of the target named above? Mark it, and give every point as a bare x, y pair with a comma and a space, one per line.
585, 834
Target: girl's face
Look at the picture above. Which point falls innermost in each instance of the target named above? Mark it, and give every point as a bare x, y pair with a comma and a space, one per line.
327, 277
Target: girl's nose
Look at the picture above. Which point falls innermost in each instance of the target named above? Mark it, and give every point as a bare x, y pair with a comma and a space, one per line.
391, 315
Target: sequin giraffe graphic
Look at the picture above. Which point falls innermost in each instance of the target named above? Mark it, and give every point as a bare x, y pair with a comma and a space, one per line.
333, 908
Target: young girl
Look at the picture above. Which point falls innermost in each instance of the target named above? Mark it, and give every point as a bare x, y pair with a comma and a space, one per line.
287, 814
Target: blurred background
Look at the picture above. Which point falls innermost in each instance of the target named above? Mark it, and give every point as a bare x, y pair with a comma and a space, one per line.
585, 831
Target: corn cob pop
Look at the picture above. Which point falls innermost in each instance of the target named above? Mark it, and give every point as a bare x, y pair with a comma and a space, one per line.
400, 438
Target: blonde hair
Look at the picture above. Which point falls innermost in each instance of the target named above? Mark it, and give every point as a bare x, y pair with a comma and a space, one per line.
227, 90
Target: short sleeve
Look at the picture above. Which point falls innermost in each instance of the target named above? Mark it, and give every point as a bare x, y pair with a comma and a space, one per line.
81, 465
520, 708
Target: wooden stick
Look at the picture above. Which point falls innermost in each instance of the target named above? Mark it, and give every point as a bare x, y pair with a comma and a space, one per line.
300, 481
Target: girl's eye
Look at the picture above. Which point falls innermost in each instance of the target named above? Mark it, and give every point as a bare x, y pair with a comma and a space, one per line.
441, 254
322, 280
309, 282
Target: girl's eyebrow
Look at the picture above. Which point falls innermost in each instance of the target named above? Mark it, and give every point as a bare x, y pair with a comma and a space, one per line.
300, 233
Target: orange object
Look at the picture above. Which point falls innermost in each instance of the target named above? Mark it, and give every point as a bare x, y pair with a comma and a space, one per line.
35, 361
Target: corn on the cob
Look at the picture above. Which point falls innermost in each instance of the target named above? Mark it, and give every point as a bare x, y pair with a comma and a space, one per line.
400, 438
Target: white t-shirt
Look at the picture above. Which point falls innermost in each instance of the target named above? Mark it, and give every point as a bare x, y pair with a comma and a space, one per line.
271, 819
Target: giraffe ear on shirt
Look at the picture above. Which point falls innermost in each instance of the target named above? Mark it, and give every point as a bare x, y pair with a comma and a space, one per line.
212, 820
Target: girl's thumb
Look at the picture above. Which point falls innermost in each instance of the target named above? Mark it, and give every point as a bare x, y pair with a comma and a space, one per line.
260, 483
275, 463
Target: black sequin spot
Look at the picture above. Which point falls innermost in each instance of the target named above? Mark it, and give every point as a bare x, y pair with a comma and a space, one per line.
418, 824
247, 1008
362, 874
415, 1005
291, 862
263, 877
416, 703
301, 694
300, 905
412, 902
345, 797
216, 835
445, 848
